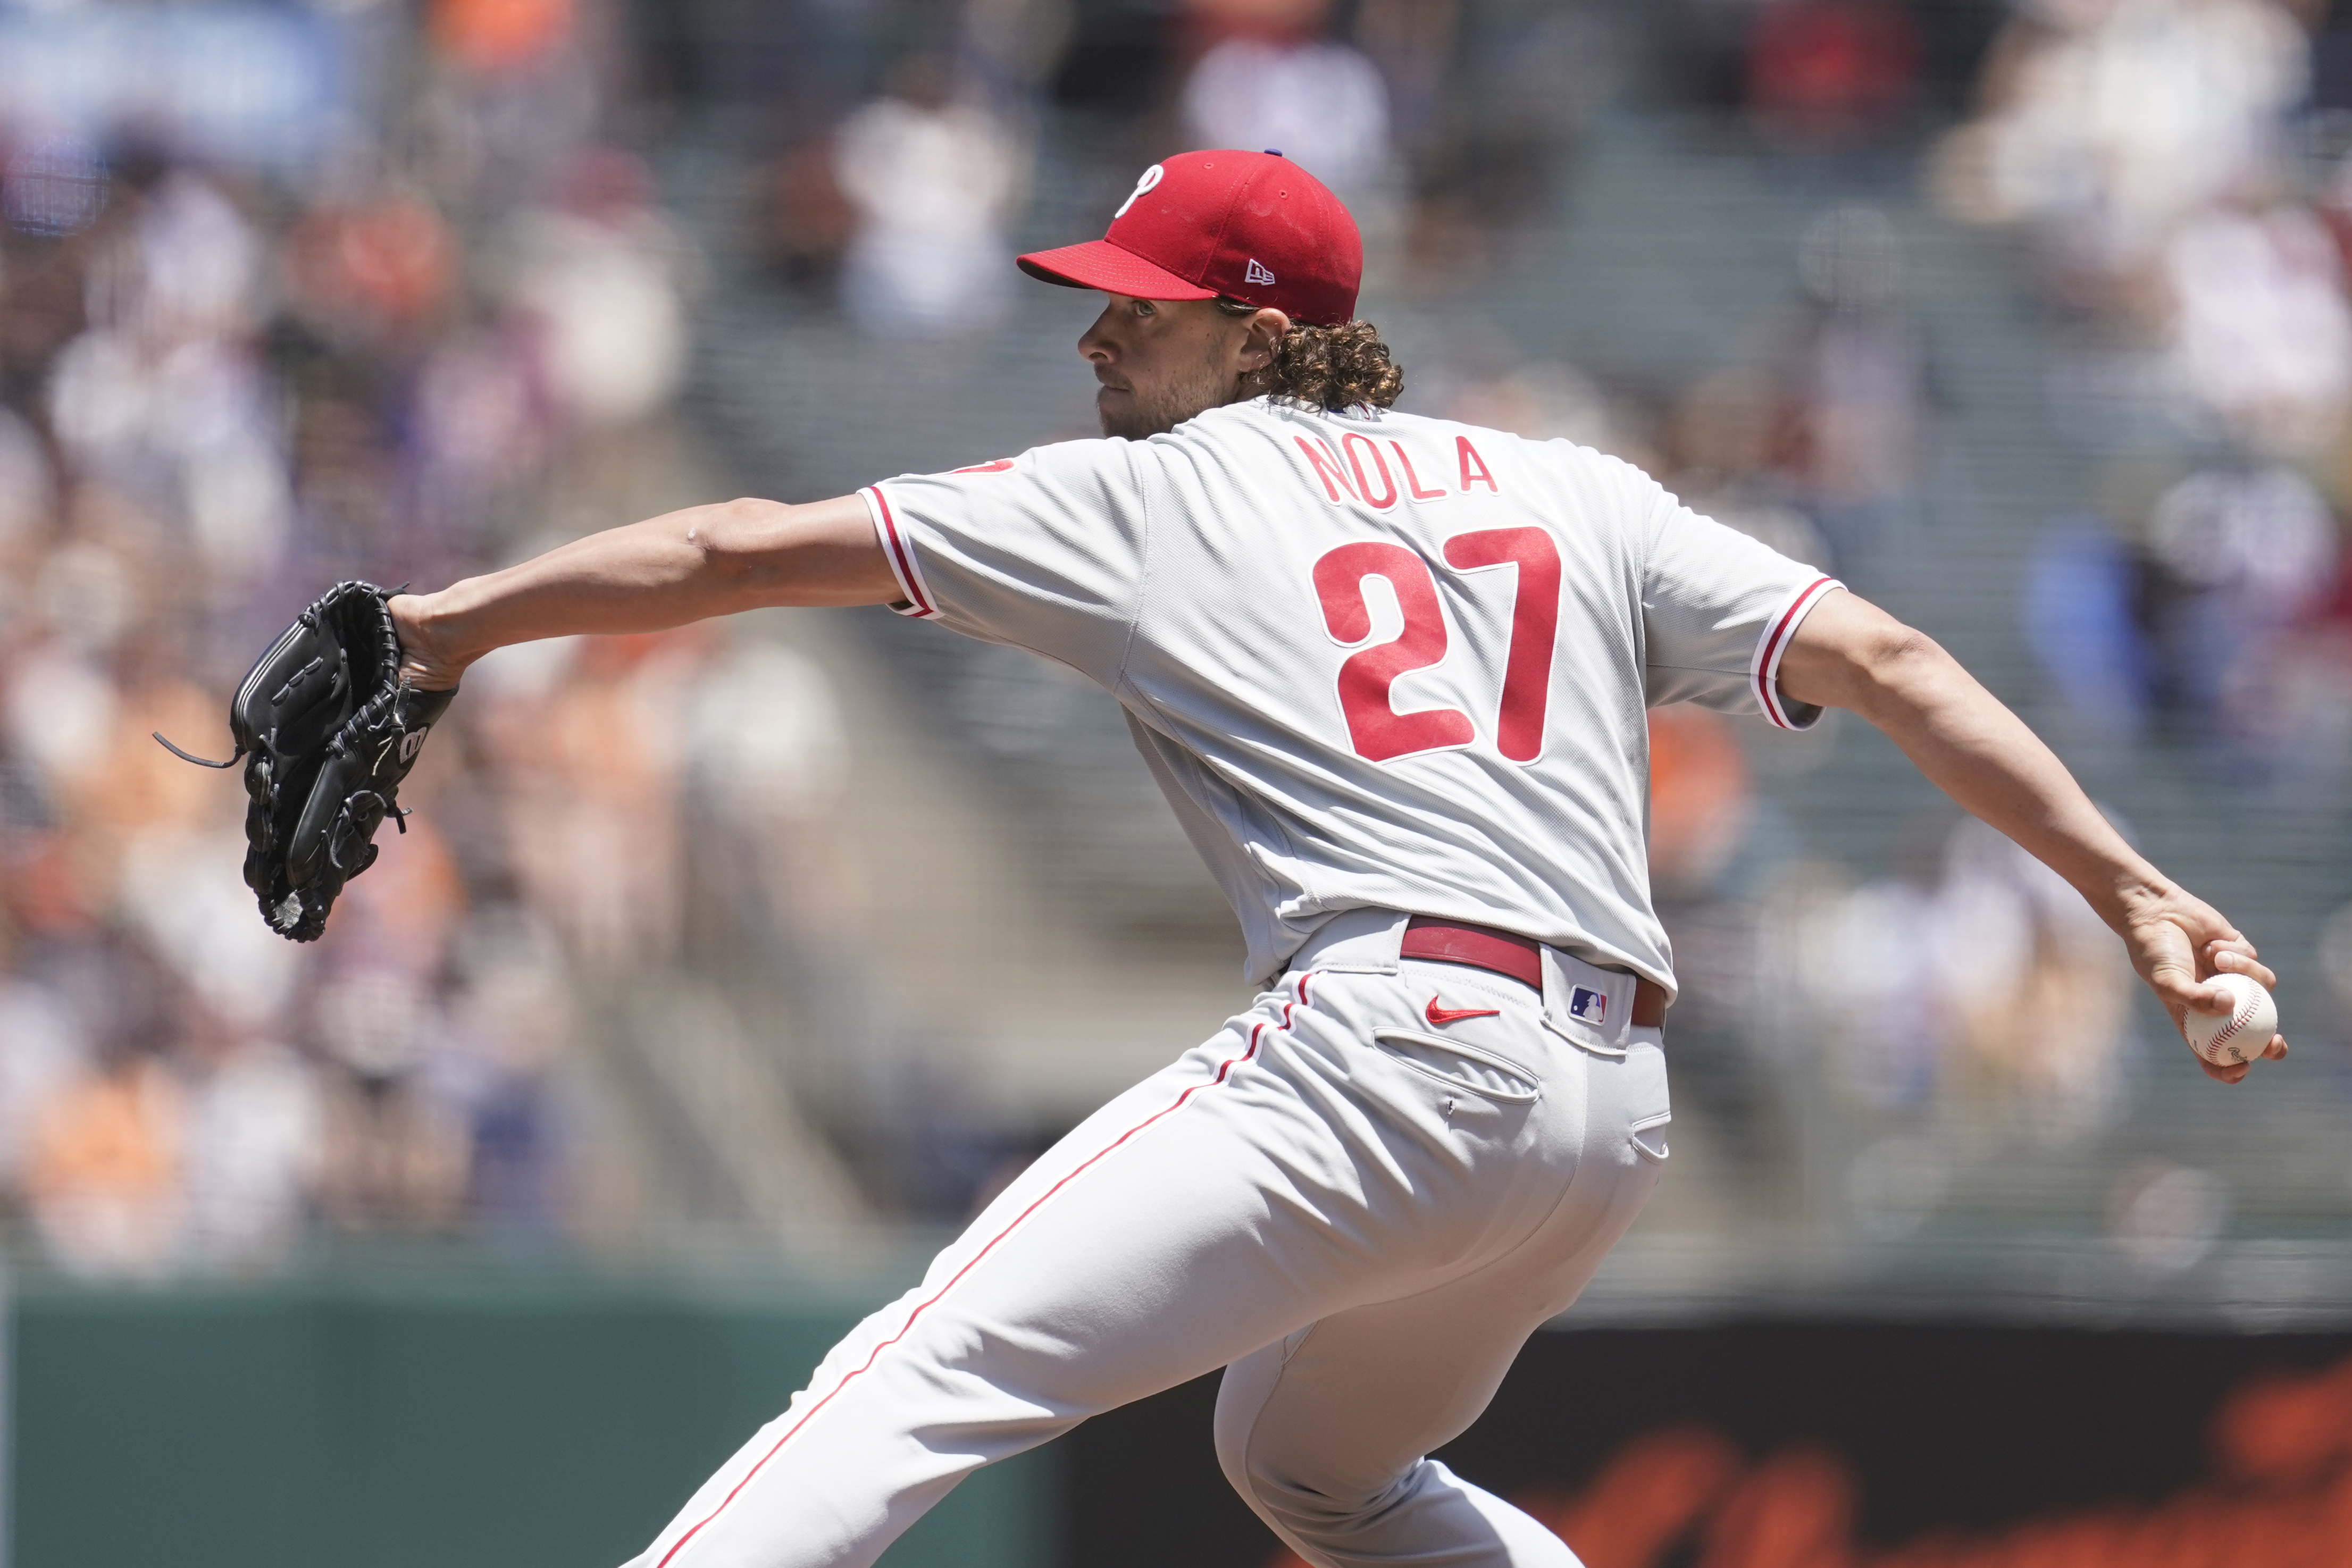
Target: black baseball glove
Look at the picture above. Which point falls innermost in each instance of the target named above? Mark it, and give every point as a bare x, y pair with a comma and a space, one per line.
328, 730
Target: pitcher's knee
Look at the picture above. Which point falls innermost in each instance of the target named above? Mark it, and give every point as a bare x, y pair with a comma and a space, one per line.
1319, 1511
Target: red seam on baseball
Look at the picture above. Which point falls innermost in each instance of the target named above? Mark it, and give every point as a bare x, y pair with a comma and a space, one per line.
1223, 1068
2236, 1021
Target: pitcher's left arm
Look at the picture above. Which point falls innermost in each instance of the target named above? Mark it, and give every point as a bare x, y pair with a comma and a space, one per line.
665, 571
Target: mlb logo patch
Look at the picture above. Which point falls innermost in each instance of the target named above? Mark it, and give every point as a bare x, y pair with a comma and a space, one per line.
1588, 1006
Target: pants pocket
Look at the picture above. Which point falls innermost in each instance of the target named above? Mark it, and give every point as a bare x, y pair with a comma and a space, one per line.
1459, 1066
1649, 1110
1650, 1137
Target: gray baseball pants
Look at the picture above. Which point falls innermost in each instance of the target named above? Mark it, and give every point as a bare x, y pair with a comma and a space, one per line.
1358, 1212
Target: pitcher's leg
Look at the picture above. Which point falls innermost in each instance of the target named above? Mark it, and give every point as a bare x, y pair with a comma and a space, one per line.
1154, 1243
1325, 1434
1327, 1439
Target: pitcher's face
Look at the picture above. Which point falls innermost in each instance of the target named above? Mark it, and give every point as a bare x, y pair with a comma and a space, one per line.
1160, 361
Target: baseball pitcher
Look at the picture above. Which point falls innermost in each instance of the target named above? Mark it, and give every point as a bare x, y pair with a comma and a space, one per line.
1391, 672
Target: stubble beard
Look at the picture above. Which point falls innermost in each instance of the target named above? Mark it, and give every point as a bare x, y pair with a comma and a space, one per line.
1157, 410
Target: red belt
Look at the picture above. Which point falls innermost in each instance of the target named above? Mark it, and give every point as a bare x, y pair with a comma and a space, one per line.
1507, 952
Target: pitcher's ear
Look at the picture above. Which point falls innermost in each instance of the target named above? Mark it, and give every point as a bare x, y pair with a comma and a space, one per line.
1266, 329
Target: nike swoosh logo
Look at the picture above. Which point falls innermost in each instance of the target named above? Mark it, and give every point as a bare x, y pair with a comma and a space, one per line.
1440, 1017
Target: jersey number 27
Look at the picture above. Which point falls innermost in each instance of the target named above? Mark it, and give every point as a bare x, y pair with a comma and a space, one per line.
1374, 727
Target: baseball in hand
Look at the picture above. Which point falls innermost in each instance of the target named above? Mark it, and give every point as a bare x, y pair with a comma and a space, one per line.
2240, 1037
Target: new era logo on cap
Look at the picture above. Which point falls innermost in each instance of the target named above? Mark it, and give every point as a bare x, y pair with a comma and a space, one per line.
1251, 225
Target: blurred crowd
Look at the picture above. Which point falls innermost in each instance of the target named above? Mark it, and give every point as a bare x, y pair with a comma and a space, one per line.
897, 205
2177, 174
434, 345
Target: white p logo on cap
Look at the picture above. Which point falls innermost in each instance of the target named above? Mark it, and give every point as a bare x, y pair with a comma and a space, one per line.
1152, 176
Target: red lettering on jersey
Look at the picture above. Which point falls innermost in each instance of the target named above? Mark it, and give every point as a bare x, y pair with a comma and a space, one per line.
1474, 467
1535, 618
999, 466
1388, 496
1326, 463
1377, 730
1413, 480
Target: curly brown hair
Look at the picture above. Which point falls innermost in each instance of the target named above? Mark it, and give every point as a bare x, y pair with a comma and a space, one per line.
1327, 367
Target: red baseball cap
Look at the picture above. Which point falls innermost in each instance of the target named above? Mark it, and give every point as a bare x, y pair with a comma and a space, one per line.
1253, 226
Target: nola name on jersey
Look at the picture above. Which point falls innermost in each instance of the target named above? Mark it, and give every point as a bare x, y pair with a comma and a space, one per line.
1372, 658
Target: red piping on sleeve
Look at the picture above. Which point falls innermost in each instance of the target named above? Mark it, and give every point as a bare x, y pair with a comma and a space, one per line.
1768, 660
901, 554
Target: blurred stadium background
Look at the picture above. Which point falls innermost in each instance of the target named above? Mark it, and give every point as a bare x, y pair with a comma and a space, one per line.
720, 972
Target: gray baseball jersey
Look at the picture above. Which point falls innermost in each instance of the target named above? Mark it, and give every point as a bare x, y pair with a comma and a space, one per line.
1374, 660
